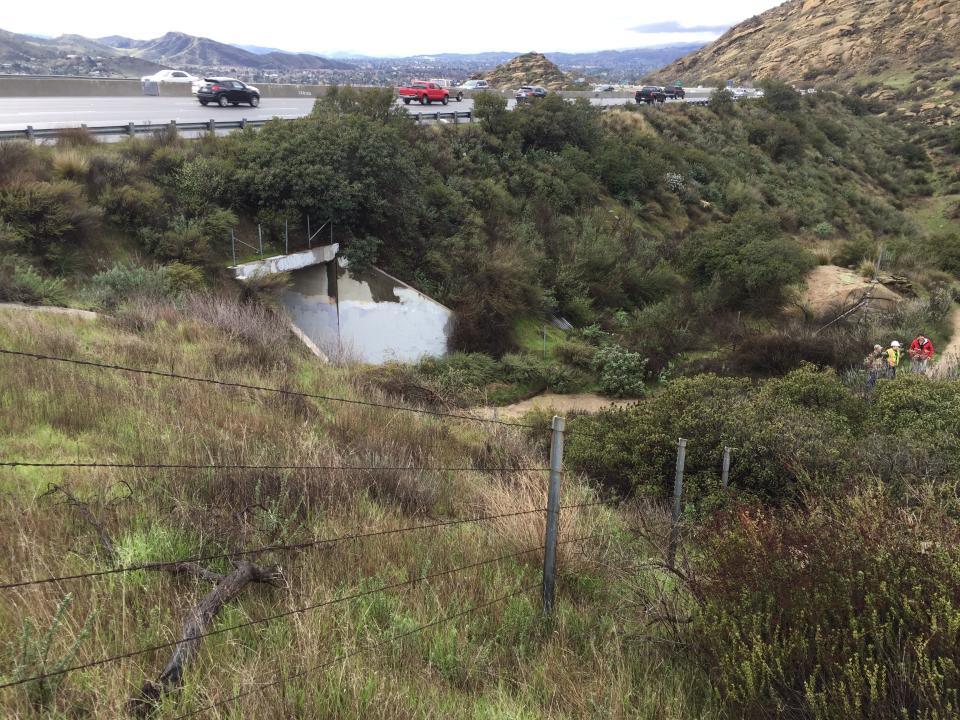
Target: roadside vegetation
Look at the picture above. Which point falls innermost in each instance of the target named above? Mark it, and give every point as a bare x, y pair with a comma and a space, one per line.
822, 584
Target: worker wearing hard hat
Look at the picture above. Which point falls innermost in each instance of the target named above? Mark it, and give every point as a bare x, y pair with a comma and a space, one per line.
893, 358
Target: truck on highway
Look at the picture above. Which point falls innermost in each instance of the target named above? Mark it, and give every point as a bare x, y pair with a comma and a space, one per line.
424, 92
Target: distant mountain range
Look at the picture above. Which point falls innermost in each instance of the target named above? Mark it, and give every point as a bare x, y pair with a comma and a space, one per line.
116, 55
182, 50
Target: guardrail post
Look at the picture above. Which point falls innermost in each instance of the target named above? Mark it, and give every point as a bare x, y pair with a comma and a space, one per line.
173, 128
243, 123
456, 118
131, 129
553, 515
212, 125
29, 132
677, 502
417, 116
725, 471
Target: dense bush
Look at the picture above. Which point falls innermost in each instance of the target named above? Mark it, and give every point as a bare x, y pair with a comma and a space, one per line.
110, 288
787, 437
47, 219
19, 282
847, 610
620, 373
749, 258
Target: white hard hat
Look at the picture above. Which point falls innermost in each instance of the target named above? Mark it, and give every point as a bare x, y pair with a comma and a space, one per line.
895, 343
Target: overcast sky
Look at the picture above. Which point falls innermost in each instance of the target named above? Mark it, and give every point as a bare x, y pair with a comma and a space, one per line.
391, 28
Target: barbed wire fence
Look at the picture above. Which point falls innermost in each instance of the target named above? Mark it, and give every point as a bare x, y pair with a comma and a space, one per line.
196, 628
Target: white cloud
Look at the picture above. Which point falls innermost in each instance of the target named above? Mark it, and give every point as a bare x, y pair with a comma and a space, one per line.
390, 29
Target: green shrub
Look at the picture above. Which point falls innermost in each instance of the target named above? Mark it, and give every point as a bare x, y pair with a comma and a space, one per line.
722, 102
749, 257
843, 611
824, 230
47, 218
19, 282
136, 207
620, 372
780, 97
785, 441
111, 288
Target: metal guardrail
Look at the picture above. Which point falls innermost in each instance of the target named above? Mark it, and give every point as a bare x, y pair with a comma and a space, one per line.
133, 129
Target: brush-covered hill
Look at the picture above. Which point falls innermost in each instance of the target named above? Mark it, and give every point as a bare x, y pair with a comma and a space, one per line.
891, 43
68, 54
528, 69
182, 50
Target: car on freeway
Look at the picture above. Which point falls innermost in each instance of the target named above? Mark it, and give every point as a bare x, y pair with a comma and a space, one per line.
424, 92
650, 94
170, 76
474, 85
674, 91
603, 88
227, 91
529, 92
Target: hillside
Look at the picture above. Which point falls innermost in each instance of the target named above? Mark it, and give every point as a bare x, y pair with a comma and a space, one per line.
182, 50
122, 56
848, 42
528, 69
68, 54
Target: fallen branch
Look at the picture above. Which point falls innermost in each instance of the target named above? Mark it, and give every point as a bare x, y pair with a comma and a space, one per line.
105, 542
199, 619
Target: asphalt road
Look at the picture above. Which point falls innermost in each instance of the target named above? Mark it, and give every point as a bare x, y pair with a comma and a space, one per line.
57, 112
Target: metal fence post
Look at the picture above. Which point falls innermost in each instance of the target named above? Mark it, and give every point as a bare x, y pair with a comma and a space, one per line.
553, 515
233, 247
308, 232
260, 237
286, 238
677, 502
725, 472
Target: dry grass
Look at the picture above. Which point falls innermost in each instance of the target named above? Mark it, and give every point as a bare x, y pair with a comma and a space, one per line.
502, 662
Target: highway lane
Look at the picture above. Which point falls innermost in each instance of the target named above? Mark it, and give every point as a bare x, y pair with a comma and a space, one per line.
59, 112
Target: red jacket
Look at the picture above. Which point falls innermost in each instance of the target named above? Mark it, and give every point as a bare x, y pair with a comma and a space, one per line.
921, 352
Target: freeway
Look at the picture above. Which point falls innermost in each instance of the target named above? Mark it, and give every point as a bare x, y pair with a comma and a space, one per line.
59, 112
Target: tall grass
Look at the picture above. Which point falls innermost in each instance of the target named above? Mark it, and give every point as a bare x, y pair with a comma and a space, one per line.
504, 661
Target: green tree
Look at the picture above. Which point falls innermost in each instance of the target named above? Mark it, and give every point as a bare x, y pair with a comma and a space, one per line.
780, 97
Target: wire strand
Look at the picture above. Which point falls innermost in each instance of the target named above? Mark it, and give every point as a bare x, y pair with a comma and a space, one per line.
286, 547
268, 618
355, 651
259, 388
189, 466
287, 613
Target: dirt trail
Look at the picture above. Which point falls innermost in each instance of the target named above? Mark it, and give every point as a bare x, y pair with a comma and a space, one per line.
53, 309
950, 356
561, 404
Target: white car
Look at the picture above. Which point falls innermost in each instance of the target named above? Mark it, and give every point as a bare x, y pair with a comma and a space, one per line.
474, 85
171, 76
603, 88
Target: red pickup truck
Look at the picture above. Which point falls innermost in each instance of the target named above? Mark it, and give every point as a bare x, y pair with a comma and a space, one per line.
424, 92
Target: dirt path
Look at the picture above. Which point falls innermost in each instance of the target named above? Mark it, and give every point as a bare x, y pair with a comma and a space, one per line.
53, 309
950, 356
561, 404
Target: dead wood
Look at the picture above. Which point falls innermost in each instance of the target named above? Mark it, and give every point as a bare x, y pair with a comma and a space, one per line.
228, 587
84, 510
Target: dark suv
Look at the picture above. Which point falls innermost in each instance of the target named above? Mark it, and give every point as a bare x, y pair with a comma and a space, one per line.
529, 92
650, 94
674, 91
227, 91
